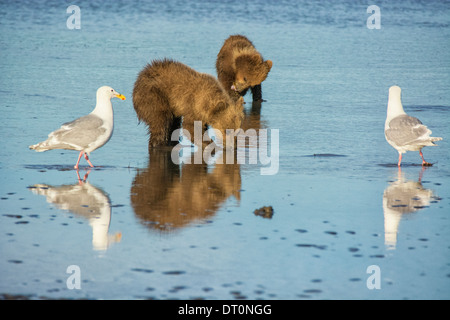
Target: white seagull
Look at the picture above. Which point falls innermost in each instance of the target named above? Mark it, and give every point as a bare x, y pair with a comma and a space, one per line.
86, 133
403, 132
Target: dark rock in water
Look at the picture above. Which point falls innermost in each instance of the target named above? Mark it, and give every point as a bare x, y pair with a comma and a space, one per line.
265, 212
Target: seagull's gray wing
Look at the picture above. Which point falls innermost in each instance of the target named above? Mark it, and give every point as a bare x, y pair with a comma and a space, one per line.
80, 132
406, 130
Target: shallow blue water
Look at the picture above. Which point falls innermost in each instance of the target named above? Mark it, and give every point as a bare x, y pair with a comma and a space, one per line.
191, 231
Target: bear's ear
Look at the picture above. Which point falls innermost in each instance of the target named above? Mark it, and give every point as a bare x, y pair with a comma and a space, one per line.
269, 65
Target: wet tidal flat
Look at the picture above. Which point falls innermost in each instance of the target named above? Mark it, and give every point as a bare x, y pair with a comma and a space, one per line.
161, 240
337, 219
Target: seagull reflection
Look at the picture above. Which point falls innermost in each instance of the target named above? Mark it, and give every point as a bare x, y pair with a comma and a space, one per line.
85, 200
402, 197
166, 196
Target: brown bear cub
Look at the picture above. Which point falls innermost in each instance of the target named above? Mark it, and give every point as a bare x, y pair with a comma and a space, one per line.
240, 67
168, 93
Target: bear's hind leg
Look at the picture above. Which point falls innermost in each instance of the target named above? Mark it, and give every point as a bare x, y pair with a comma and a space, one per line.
159, 129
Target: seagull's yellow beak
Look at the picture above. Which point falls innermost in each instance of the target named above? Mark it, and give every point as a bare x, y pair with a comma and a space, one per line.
120, 96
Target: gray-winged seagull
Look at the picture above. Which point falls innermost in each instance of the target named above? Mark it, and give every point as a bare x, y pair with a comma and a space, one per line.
403, 132
86, 133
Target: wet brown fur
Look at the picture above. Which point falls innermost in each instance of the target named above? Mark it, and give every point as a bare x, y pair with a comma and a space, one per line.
239, 64
168, 93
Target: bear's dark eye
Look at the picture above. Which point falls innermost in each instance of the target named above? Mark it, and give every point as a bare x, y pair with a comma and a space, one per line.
245, 79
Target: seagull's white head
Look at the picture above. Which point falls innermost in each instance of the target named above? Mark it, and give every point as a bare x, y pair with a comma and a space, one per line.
395, 91
395, 107
109, 93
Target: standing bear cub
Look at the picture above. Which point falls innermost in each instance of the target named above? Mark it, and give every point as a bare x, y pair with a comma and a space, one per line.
168, 93
240, 67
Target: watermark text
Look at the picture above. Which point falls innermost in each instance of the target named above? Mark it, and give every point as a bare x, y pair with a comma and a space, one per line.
74, 20
259, 150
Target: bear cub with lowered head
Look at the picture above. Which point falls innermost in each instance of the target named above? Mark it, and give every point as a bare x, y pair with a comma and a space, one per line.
240, 67
168, 93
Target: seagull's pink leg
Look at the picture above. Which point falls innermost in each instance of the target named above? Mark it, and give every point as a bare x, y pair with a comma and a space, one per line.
424, 163
87, 159
399, 159
79, 157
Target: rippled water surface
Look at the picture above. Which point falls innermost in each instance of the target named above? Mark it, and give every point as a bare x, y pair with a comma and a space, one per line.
140, 226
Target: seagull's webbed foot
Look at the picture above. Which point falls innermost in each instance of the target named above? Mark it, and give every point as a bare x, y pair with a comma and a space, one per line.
424, 163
